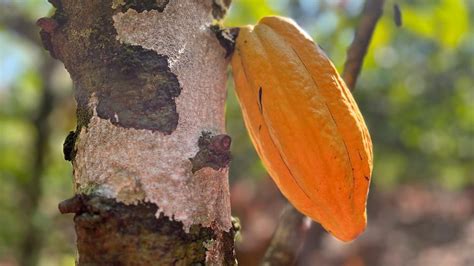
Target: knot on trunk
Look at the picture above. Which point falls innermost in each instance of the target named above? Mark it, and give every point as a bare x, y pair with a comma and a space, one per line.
214, 152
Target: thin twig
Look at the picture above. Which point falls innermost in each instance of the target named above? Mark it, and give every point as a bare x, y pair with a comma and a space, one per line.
355, 54
289, 235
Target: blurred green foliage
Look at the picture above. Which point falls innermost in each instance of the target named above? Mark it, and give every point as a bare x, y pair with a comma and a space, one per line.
416, 92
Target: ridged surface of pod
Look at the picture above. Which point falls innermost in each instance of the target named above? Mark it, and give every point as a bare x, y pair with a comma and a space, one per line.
304, 124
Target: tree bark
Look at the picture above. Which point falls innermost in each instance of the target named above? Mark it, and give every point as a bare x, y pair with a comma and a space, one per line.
150, 155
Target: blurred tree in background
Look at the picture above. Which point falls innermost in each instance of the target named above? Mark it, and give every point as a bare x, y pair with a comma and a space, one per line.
416, 92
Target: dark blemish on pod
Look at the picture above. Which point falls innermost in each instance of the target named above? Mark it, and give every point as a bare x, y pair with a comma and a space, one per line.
397, 15
320, 47
260, 106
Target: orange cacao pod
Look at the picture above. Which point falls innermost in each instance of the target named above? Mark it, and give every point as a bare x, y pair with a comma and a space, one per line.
304, 124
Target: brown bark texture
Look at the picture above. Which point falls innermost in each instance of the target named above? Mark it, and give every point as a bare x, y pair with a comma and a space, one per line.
288, 239
371, 13
150, 155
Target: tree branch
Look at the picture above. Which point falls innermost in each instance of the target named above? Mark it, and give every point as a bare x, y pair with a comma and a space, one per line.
289, 235
288, 238
31, 242
33, 235
19, 23
356, 52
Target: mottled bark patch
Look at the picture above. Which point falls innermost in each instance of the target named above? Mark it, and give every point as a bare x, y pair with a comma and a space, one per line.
142, 5
139, 99
108, 234
132, 87
214, 152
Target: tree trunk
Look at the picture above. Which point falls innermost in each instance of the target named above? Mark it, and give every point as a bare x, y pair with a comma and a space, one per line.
149, 154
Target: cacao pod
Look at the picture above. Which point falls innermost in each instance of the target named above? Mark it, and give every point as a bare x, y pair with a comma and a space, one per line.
304, 124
